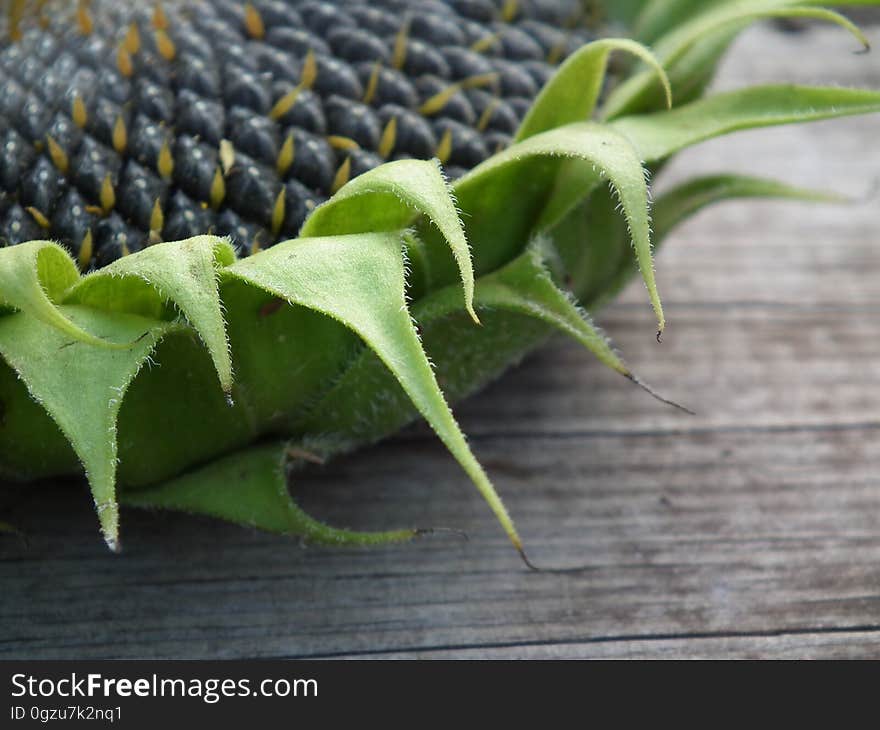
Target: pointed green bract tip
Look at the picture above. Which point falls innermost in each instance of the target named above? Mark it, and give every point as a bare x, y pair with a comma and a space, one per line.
830, 16
644, 54
108, 516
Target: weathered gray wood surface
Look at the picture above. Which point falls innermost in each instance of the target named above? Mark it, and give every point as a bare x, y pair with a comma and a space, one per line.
752, 529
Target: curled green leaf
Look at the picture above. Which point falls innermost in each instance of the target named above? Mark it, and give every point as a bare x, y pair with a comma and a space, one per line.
571, 95
659, 135
257, 497
683, 201
33, 277
526, 286
713, 28
84, 387
388, 198
609, 157
184, 273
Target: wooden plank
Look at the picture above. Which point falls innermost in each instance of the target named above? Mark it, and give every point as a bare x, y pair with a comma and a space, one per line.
709, 531
748, 530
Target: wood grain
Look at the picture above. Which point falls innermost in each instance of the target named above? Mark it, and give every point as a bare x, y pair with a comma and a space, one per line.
749, 530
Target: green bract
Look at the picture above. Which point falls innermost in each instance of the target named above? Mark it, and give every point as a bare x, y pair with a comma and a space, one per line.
181, 378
